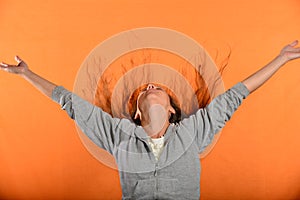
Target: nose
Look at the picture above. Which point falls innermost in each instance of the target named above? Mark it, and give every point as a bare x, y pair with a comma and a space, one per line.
150, 86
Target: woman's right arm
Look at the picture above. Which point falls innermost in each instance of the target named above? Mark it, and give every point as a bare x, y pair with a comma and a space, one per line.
98, 125
43, 85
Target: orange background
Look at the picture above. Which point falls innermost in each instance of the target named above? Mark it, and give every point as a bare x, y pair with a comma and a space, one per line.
41, 155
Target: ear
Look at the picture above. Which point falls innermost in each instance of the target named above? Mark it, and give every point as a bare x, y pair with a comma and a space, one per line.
172, 110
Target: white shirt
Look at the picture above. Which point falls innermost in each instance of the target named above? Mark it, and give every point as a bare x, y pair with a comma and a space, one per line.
157, 145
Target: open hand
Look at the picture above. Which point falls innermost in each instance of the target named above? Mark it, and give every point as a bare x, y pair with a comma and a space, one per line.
20, 68
290, 51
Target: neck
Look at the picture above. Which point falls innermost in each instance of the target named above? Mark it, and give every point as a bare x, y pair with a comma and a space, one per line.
156, 122
153, 133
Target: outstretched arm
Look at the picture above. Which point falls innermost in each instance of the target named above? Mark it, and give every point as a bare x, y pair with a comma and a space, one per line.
98, 125
257, 79
43, 85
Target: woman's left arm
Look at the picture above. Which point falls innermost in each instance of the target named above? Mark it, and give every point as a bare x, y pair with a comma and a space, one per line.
288, 53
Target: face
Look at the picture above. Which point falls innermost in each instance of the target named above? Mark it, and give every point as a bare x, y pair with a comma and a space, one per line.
152, 95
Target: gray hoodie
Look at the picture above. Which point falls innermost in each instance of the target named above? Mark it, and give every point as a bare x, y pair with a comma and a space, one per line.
176, 174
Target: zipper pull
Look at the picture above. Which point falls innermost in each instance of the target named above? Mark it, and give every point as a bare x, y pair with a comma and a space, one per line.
155, 172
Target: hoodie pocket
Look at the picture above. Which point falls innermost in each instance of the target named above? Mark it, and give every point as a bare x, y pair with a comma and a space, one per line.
144, 189
161, 188
167, 187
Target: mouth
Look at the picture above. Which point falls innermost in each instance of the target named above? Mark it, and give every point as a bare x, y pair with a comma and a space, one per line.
152, 91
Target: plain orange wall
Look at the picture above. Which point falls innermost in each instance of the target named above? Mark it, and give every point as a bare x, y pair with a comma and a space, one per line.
41, 155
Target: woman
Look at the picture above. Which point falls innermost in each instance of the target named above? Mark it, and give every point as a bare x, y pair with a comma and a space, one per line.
159, 159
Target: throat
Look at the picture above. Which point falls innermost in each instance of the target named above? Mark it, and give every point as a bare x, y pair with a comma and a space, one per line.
156, 122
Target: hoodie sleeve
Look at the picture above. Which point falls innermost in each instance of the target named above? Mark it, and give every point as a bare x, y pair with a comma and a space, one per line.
208, 121
98, 125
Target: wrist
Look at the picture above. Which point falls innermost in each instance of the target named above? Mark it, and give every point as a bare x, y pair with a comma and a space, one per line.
26, 73
282, 58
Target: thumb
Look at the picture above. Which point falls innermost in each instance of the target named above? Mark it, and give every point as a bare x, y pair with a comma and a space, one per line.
294, 43
18, 59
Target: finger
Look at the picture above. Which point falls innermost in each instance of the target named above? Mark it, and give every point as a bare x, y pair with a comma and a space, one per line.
4, 69
294, 56
294, 50
8, 65
18, 59
294, 43
2, 64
